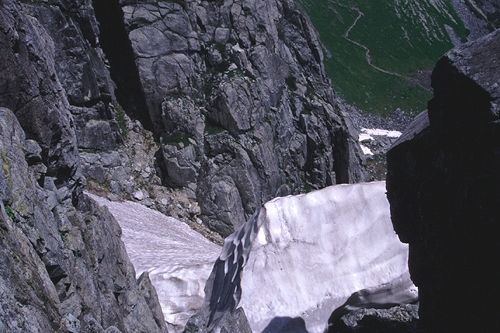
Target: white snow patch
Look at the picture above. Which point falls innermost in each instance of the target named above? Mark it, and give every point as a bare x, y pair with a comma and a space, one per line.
380, 132
365, 137
368, 134
314, 250
366, 150
178, 259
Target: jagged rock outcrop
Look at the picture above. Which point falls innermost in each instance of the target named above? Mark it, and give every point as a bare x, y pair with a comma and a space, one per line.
444, 190
390, 308
396, 319
237, 92
64, 267
80, 67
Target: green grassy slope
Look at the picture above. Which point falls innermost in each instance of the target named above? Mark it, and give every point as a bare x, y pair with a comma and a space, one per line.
402, 36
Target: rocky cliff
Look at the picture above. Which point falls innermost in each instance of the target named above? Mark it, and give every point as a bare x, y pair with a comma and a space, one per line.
237, 95
443, 187
240, 109
64, 267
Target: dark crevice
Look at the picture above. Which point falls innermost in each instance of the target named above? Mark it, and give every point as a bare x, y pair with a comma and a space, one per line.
341, 157
56, 273
115, 42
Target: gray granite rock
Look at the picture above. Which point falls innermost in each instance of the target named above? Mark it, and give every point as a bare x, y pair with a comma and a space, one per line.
81, 68
64, 267
242, 86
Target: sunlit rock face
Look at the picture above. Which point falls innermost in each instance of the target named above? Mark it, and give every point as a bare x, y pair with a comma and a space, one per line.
302, 256
178, 259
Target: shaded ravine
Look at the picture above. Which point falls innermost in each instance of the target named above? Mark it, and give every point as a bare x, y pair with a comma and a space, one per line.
116, 45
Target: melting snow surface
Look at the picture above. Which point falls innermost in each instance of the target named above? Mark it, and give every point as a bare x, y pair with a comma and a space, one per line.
305, 255
313, 251
178, 259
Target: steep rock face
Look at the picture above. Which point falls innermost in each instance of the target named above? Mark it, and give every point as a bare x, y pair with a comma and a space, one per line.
109, 116
80, 67
238, 94
443, 187
29, 85
64, 267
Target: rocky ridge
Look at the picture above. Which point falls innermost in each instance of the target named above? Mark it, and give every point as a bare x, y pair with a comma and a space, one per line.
238, 114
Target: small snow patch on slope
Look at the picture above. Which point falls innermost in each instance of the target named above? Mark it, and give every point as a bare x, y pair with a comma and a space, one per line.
379, 132
369, 134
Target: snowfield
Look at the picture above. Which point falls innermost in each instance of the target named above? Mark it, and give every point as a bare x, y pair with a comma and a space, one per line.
178, 259
312, 251
302, 256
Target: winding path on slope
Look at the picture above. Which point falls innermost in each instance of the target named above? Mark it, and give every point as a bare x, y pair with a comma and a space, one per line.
368, 56
365, 48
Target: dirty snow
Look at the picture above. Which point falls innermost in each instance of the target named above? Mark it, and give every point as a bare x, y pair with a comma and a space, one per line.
178, 259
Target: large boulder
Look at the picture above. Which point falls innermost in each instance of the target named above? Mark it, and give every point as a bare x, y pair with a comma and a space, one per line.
444, 190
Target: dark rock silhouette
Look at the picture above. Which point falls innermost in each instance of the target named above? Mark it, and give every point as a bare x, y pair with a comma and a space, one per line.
444, 190
286, 325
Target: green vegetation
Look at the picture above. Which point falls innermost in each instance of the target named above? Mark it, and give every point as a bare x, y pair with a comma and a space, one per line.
10, 212
175, 138
121, 120
212, 128
403, 37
